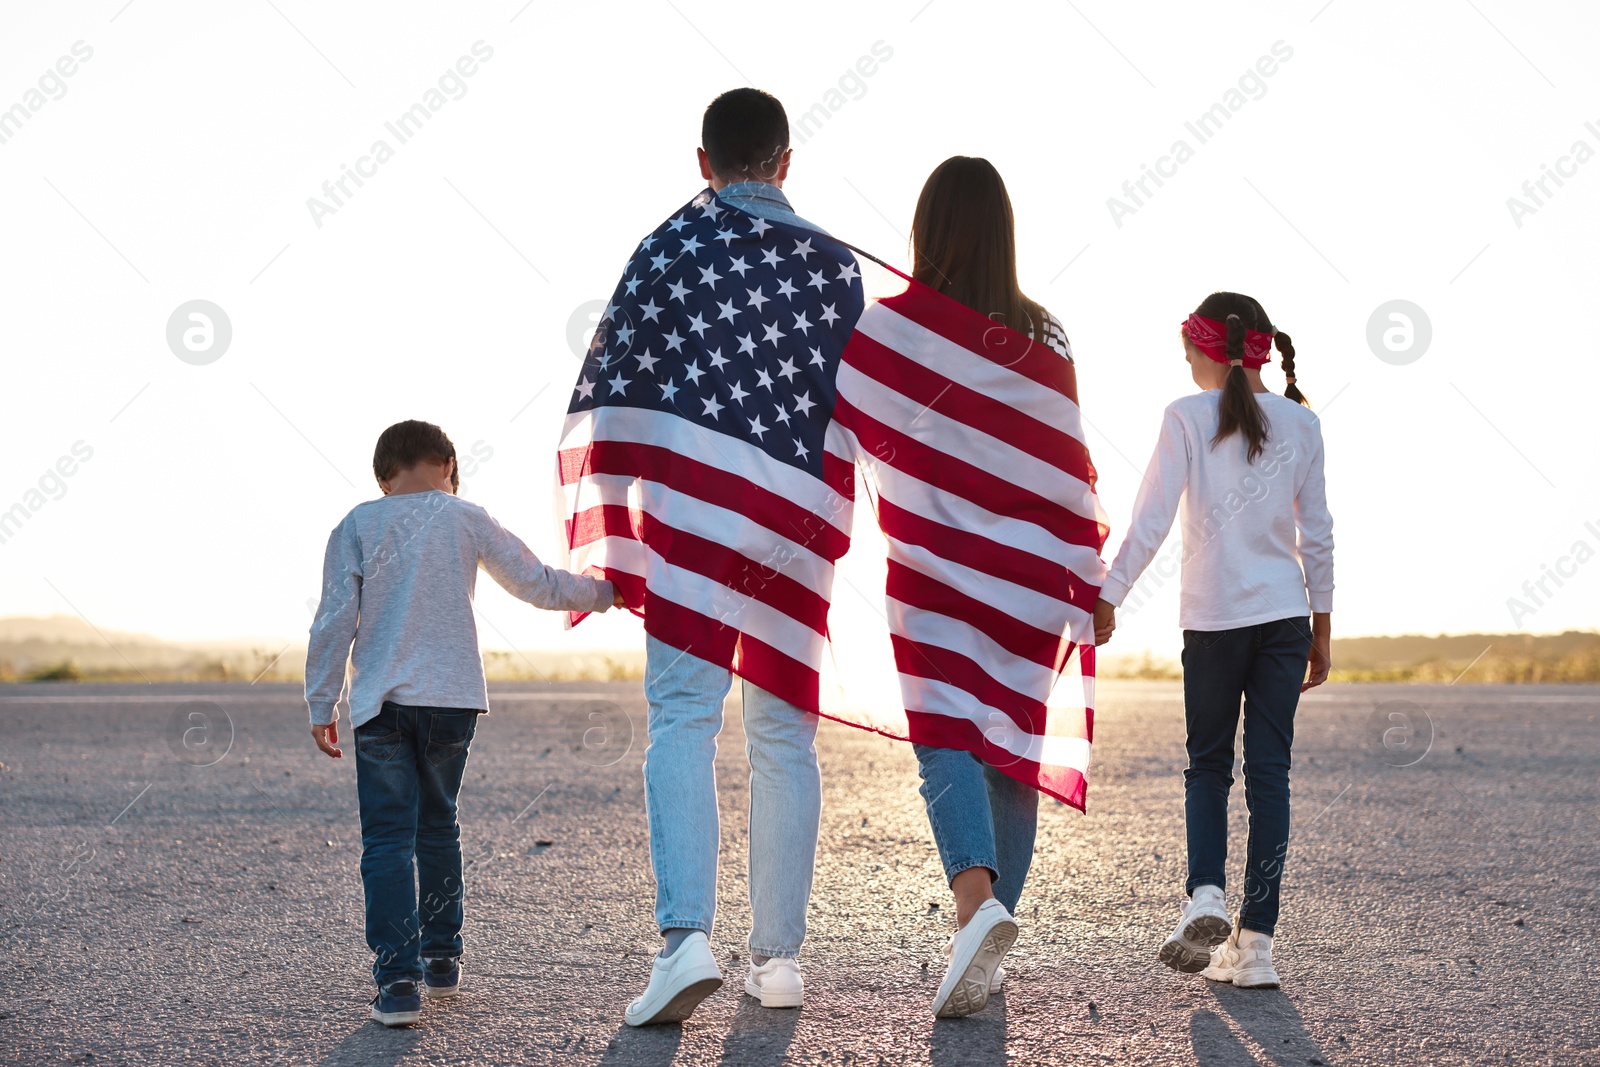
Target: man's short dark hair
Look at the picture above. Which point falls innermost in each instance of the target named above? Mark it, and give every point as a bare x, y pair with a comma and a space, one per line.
405, 444
744, 133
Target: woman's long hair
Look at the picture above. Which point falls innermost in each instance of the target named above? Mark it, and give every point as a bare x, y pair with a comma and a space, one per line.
964, 243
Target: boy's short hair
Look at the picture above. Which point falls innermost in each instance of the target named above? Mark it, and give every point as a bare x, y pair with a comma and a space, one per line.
744, 132
405, 444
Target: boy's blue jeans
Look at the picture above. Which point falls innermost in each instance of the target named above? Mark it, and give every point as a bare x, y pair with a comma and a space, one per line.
409, 763
980, 818
1263, 664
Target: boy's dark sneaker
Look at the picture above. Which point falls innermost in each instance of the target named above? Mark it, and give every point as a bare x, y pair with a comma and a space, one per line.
441, 976
397, 1004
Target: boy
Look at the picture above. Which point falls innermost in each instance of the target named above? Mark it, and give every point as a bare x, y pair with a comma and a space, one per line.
397, 592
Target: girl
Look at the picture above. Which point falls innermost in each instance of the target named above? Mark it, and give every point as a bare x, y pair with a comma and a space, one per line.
1244, 466
963, 243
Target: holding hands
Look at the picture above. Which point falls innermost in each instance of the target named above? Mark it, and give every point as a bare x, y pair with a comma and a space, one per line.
1105, 621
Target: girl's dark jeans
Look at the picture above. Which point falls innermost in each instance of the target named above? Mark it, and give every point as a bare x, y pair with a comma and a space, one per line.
1264, 665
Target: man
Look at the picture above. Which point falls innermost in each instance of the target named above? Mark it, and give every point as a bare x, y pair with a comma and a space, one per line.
744, 156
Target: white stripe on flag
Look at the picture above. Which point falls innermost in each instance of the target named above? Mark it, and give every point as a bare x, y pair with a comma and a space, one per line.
915, 495
934, 697
955, 363
730, 455
709, 597
1039, 610
957, 635
769, 551
946, 436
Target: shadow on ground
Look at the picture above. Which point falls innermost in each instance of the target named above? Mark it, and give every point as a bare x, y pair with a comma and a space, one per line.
1267, 1017
372, 1045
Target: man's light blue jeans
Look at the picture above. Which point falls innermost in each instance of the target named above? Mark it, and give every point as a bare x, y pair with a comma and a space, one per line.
686, 695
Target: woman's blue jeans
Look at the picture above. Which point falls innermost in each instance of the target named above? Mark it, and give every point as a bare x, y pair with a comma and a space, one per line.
1263, 665
980, 818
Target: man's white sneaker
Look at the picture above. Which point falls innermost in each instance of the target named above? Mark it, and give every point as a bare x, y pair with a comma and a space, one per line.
776, 983
994, 983
1245, 959
975, 954
677, 984
1204, 925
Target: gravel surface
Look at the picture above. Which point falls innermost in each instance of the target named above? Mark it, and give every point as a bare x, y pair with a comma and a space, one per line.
185, 890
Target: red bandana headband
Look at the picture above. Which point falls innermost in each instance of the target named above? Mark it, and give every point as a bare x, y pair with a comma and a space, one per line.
1211, 337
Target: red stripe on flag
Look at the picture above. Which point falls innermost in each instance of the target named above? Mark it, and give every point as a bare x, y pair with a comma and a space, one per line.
755, 661
982, 412
938, 664
702, 481
917, 590
941, 731
986, 556
985, 338
715, 561
956, 476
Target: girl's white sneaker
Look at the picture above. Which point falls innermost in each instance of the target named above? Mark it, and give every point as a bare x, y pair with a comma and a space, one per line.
1245, 959
1204, 925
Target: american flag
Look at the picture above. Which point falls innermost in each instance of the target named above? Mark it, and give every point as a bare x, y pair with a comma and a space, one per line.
736, 383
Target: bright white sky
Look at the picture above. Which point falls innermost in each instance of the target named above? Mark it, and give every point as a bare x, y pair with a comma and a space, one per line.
177, 165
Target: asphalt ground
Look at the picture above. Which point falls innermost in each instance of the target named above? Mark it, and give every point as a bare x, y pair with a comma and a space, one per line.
177, 890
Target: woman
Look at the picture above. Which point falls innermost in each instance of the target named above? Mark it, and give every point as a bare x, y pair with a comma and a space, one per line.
963, 243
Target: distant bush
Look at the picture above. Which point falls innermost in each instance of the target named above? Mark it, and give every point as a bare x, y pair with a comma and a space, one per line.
1146, 668
65, 671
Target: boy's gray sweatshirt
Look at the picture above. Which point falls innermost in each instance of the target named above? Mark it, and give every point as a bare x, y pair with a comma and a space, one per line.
397, 588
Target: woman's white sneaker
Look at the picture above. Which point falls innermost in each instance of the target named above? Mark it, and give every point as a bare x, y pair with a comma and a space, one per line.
975, 954
999, 972
1245, 959
776, 983
1204, 925
678, 984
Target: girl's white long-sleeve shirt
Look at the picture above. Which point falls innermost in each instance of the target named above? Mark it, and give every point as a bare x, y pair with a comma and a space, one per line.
1257, 537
